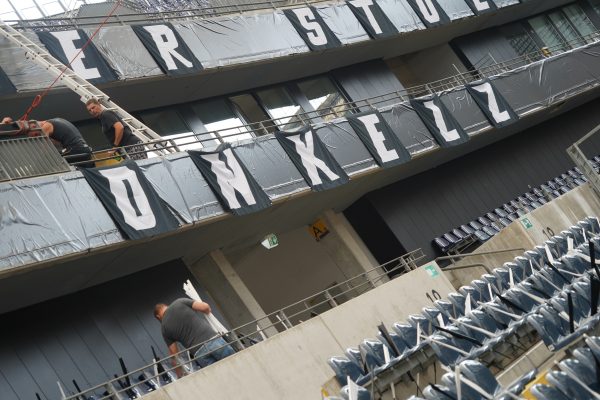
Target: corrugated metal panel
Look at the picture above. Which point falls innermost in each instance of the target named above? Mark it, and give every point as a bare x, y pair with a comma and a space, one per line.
27, 157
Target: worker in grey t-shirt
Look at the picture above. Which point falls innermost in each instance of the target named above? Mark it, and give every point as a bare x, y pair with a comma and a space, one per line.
184, 321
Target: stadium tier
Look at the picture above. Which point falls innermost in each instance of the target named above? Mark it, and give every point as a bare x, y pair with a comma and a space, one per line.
364, 199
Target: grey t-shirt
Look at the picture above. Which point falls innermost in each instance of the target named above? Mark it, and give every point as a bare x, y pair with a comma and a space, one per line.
183, 324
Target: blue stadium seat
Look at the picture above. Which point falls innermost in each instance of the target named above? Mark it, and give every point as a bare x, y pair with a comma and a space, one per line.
343, 367
363, 394
568, 386
482, 236
544, 392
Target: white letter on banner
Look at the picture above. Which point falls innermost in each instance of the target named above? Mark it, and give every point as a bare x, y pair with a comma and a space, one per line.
492, 102
310, 162
365, 4
429, 11
481, 5
449, 136
166, 42
315, 33
230, 180
377, 137
66, 39
116, 179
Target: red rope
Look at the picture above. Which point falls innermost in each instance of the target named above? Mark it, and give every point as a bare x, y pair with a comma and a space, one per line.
38, 98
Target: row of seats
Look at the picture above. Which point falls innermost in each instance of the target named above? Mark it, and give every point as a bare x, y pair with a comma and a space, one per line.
577, 377
485, 227
494, 319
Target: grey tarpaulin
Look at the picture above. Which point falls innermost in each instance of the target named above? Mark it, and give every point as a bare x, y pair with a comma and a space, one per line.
377, 136
65, 45
167, 48
318, 167
124, 52
131, 200
345, 146
6, 86
492, 103
401, 14
241, 38
480, 7
464, 109
550, 80
22, 72
179, 182
342, 22
230, 180
455, 9
312, 29
270, 166
430, 12
505, 3
372, 18
440, 122
47, 217
409, 128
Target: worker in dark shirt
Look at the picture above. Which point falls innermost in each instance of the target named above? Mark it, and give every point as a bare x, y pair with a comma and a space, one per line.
116, 131
75, 148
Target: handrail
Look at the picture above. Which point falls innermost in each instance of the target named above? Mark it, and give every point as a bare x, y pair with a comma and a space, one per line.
152, 16
406, 263
260, 128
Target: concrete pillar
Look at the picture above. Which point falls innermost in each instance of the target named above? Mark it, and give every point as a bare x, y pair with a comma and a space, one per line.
236, 302
347, 248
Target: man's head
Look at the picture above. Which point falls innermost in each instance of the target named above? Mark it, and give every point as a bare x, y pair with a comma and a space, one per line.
7, 120
159, 311
94, 107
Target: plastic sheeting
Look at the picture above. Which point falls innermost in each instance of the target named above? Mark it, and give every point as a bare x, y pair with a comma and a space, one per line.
341, 20
550, 80
345, 146
401, 14
456, 9
124, 52
49, 217
465, 110
270, 166
241, 39
505, 3
179, 182
409, 128
25, 74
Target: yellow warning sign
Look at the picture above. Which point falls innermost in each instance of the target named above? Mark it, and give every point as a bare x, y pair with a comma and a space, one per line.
318, 229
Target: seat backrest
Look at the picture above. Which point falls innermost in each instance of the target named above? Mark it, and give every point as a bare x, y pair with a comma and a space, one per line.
544, 392
478, 373
568, 386
407, 333
343, 367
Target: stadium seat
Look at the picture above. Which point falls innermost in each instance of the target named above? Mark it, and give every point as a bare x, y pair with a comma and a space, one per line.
568, 386
343, 367
544, 392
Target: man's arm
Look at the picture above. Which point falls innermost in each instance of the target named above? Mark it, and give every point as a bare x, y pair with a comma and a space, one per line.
201, 306
119, 128
172, 351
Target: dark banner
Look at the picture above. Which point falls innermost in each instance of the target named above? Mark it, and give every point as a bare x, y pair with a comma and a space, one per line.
481, 6
372, 18
89, 65
430, 12
440, 122
378, 138
168, 48
311, 27
318, 167
131, 200
494, 106
6, 86
229, 179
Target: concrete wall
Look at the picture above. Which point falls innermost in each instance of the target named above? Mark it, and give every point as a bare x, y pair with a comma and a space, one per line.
552, 217
293, 364
426, 66
297, 268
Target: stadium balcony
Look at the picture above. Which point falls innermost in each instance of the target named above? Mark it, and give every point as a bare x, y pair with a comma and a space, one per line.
493, 322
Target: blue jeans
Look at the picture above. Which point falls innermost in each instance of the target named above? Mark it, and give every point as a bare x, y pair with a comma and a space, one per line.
213, 351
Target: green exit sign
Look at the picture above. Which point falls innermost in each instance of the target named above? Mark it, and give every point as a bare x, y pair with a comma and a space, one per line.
526, 223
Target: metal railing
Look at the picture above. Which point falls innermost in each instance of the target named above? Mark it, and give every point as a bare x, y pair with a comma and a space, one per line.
28, 157
332, 113
134, 384
225, 8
